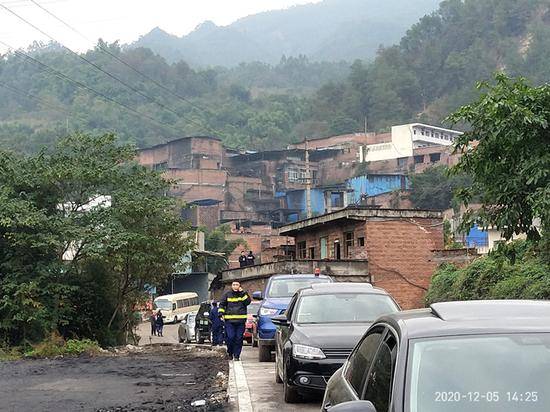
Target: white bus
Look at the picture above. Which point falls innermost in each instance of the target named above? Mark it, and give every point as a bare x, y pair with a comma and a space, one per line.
174, 307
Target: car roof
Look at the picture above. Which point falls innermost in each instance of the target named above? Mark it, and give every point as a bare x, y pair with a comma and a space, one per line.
342, 287
472, 318
299, 275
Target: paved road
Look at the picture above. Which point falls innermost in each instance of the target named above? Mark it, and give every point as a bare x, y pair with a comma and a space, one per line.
265, 393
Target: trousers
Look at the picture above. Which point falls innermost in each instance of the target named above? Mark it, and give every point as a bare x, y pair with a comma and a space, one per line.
217, 335
234, 332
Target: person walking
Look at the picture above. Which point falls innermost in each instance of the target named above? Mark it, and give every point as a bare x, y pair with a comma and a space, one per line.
233, 311
160, 323
243, 261
217, 325
153, 321
250, 259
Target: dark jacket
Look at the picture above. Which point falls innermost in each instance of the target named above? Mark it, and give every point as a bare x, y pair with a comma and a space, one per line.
250, 259
233, 306
160, 320
215, 318
243, 261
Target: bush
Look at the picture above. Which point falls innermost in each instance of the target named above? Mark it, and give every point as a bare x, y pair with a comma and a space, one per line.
514, 271
56, 346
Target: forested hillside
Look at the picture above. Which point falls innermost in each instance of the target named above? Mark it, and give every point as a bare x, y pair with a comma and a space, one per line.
435, 67
331, 30
431, 72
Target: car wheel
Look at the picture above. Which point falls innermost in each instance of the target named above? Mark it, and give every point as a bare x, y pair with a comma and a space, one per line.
291, 393
264, 354
180, 339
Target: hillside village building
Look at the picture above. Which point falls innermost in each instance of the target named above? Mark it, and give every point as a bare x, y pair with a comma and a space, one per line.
257, 192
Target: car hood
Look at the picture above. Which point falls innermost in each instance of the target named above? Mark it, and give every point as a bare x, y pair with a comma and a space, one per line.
276, 303
330, 336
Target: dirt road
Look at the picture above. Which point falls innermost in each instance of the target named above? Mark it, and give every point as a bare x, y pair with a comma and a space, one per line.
258, 379
158, 378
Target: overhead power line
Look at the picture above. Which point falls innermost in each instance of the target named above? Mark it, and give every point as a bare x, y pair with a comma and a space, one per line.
99, 68
43, 102
88, 88
122, 61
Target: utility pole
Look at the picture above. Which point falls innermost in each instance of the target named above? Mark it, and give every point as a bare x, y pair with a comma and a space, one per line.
308, 182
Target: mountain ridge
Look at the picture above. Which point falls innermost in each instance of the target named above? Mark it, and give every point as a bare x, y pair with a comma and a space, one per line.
314, 30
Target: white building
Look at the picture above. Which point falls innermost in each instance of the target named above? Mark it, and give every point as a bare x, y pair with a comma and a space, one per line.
406, 138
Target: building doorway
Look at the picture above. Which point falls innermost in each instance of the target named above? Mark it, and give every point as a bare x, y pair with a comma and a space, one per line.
337, 250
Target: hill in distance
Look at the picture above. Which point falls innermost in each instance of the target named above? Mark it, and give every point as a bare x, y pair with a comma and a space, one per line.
332, 30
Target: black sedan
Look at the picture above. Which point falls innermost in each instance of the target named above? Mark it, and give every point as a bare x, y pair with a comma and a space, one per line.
319, 330
452, 357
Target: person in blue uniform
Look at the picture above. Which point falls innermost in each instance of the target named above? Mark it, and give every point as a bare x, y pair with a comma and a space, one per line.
233, 311
217, 325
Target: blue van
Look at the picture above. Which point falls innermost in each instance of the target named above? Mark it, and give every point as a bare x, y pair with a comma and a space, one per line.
275, 299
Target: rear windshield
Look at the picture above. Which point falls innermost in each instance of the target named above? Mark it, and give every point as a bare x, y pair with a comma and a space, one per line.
342, 308
480, 373
286, 288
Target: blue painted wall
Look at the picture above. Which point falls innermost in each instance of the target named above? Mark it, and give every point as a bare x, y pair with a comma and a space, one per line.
370, 185
477, 237
373, 185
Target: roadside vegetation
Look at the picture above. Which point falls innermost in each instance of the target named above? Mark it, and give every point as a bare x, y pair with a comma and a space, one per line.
83, 229
510, 172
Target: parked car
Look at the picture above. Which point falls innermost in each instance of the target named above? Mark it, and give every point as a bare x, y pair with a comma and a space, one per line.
186, 329
252, 314
203, 326
321, 327
275, 299
453, 357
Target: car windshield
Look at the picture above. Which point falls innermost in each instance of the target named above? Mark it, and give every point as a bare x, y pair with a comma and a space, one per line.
341, 308
286, 288
483, 373
253, 308
164, 304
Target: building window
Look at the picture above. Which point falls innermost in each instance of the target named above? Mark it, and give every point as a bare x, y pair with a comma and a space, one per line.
435, 157
418, 159
160, 167
348, 244
302, 251
337, 199
323, 247
293, 175
402, 162
311, 253
361, 241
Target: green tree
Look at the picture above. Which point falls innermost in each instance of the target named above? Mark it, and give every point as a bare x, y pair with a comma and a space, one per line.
506, 154
92, 228
434, 188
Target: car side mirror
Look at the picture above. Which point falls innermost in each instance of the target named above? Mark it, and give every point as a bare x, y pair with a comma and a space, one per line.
354, 406
280, 320
257, 295
184, 322
255, 316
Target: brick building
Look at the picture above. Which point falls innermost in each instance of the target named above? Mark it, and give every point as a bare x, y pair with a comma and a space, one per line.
398, 245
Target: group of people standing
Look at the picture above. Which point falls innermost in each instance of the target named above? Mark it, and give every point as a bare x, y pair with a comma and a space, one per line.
157, 323
229, 317
246, 260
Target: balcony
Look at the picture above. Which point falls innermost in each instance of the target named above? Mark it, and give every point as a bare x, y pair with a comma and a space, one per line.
352, 270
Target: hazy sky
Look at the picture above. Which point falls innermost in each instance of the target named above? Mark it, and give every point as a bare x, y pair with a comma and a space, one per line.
123, 20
